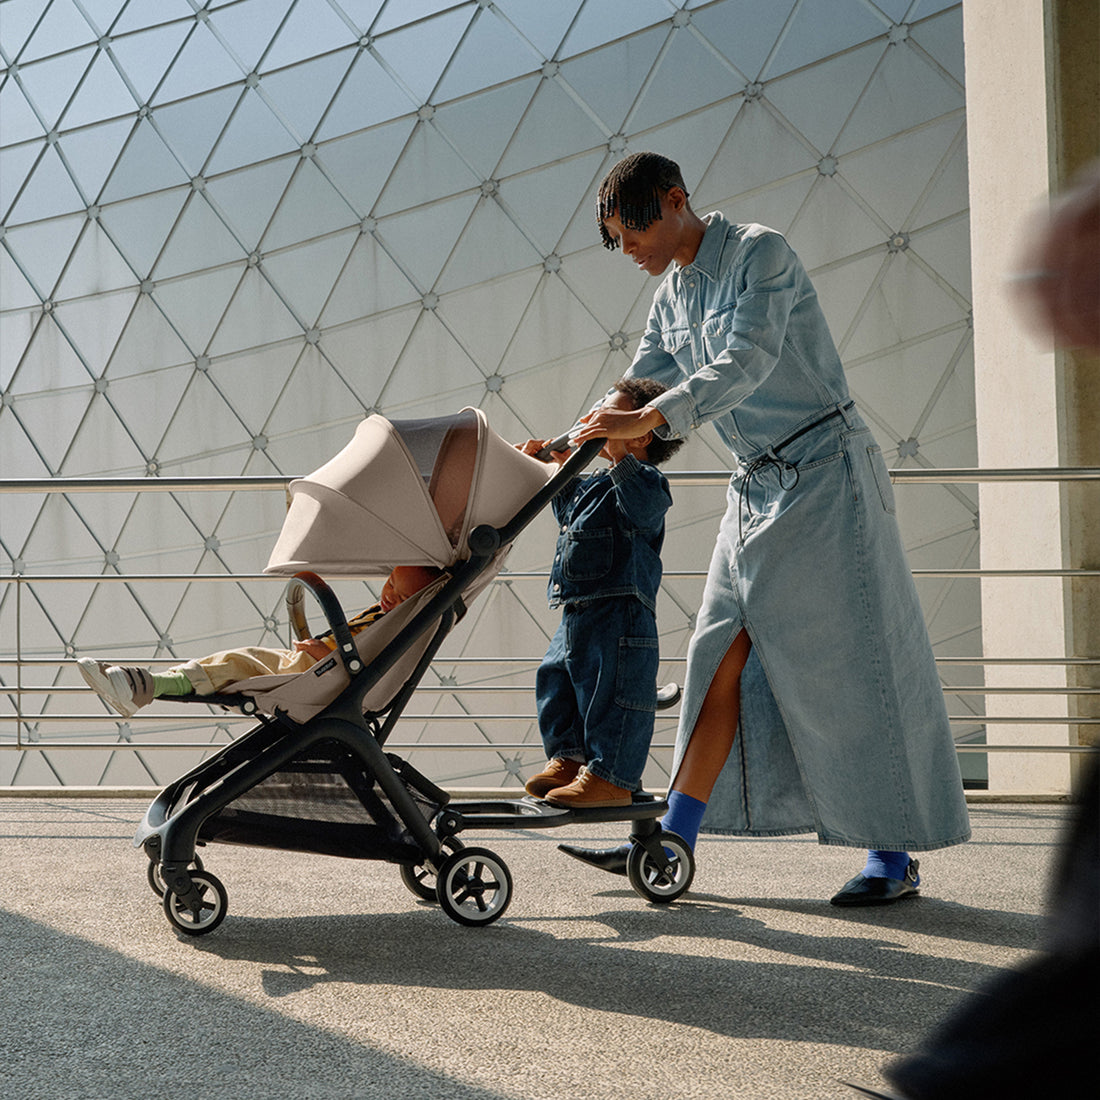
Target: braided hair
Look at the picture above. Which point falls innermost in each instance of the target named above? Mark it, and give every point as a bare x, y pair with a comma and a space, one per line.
633, 189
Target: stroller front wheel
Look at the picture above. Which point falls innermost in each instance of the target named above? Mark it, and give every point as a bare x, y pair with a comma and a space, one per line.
210, 913
474, 886
422, 881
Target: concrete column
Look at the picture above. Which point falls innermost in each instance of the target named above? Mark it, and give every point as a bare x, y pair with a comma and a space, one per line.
1018, 385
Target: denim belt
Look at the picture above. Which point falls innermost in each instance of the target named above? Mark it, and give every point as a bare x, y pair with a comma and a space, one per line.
770, 458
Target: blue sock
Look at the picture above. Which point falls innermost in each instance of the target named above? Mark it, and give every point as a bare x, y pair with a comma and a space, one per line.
882, 864
683, 817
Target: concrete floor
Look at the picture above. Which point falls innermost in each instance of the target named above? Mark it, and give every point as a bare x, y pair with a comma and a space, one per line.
329, 979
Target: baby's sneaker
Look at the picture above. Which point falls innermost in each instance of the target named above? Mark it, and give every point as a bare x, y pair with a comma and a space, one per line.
590, 792
557, 773
127, 688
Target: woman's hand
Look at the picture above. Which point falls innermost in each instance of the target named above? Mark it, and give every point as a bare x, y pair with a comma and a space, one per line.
314, 647
606, 423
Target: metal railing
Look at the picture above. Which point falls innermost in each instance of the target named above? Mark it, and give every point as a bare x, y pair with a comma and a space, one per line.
25, 721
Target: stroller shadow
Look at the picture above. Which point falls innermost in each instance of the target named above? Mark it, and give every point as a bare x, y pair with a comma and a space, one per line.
846, 988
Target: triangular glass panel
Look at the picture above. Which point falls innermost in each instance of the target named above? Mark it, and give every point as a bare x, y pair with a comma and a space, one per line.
817, 100
50, 84
254, 318
192, 126
483, 317
305, 275
368, 96
139, 227
202, 64
91, 153
49, 364
404, 236
481, 126
17, 294
310, 207
102, 94
365, 352
92, 325
236, 379
830, 225
248, 28
195, 306
205, 437
310, 29
302, 94
61, 29
20, 121
253, 134
42, 250
553, 127
904, 92
491, 245
246, 199
96, 266
419, 53
942, 37
50, 191
146, 165
147, 344
147, 402
358, 166
370, 283
820, 28
145, 57
451, 382
610, 79
199, 240
490, 53
744, 31
597, 24
429, 169
103, 441
543, 25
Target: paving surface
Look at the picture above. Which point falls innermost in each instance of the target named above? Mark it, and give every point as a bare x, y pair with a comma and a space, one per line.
329, 979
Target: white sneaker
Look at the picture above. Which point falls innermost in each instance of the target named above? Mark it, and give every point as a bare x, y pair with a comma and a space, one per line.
126, 687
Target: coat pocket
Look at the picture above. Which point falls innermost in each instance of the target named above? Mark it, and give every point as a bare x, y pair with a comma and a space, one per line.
587, 554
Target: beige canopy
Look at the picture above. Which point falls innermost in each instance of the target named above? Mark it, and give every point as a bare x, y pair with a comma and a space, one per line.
404, 493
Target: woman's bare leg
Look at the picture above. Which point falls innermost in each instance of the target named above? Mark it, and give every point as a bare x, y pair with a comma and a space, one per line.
712, 737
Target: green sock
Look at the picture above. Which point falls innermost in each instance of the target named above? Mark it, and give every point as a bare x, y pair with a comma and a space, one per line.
171, 683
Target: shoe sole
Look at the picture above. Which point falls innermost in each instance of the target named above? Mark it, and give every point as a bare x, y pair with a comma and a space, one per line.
602, 804
102, 686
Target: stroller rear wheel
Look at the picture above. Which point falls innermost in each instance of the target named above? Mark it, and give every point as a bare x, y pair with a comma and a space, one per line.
210, 913
658, 882
422, 881
474, 886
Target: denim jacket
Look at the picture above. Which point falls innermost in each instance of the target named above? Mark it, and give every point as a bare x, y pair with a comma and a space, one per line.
609, 542
739, 338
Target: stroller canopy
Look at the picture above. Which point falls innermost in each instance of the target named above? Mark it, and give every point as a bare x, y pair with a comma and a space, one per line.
404, 492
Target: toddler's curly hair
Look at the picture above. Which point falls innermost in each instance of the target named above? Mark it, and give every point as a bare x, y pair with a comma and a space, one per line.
641, 391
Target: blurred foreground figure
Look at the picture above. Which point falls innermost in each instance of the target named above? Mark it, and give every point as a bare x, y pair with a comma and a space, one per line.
1029, 1033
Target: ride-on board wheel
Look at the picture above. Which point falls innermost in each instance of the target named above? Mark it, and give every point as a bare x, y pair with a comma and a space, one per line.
474, 886
211, 911
419, 879
661, 882
156, 883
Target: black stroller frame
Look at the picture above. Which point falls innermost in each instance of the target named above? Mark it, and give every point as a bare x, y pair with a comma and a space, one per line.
384, 809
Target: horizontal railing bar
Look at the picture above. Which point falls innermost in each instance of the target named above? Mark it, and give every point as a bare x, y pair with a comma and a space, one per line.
465, 746
668, 575
972, 719
529, 689
936, 475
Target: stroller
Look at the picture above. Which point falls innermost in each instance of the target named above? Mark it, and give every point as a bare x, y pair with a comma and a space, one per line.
313, 774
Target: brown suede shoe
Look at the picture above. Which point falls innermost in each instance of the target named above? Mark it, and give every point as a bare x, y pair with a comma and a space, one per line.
590, 792
557, 773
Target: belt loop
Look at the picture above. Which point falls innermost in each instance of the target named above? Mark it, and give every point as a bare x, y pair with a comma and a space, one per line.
847, 410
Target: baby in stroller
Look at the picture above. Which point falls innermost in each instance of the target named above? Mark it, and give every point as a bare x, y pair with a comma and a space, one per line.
128, 688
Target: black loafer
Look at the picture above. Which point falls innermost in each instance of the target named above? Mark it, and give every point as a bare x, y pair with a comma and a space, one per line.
878, 891
612, 860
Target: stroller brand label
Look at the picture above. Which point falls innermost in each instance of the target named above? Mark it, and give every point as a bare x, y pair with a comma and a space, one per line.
323, 666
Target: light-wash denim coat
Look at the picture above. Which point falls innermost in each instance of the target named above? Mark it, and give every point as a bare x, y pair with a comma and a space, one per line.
843, 728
